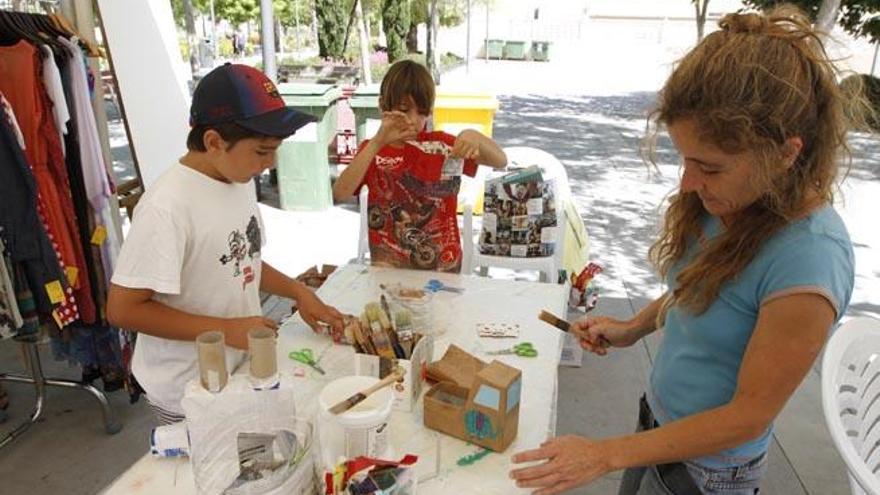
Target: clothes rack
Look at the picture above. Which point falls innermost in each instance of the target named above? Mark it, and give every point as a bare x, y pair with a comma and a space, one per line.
40, 382
29, 345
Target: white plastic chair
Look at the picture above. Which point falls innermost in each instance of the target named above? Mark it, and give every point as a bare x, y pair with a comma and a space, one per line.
851, 400
363, 234
548, 266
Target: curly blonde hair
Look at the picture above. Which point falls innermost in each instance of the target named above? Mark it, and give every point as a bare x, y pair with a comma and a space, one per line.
750, 87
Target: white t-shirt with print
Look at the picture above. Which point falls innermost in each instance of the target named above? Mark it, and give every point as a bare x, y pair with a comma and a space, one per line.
196, 242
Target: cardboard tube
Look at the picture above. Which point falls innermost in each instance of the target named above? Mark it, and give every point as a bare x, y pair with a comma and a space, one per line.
264, 362
211, 347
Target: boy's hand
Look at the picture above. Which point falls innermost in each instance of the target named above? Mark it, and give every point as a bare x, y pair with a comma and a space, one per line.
236, 329
396, 126
467, 145
314, 312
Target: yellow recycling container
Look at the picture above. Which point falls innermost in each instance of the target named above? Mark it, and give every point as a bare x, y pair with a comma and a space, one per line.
455, 110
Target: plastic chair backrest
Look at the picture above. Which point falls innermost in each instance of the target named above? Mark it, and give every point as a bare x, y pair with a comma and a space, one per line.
851, 400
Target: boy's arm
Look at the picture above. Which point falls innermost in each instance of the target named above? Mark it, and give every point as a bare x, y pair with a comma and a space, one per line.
396, 127
474, 145
310, 307
353, 175
134, 309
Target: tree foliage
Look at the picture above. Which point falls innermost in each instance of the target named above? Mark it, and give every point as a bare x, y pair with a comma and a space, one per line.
860, 18
332, 19
396, 22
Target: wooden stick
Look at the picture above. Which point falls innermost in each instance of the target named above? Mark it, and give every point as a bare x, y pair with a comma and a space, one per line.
362, 395
548, 317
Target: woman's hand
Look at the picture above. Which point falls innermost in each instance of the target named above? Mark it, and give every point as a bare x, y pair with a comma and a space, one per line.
467, 145
598, 333
571, 461
396, 127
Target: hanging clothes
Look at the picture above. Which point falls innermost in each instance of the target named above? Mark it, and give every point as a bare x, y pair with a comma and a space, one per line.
99, 186
10, 318
55, 91
32, 106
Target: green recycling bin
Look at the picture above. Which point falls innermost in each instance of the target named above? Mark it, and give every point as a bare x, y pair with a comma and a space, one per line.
515, 50
540, 51
365, 105
303, 162
494, 48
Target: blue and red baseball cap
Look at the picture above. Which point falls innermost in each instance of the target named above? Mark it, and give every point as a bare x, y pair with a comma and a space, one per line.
244, 95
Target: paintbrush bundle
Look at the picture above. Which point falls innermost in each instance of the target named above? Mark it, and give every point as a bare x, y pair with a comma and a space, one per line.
384, 339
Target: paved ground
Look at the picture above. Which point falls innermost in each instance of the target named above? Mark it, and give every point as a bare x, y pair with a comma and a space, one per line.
587, 108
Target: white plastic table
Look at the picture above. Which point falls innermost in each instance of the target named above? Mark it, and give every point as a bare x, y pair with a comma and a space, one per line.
484, 300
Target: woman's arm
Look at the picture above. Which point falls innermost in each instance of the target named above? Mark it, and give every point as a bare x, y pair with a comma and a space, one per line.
788, 336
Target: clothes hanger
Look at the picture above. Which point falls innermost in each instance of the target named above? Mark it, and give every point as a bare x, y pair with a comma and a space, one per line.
13, 29
64, 25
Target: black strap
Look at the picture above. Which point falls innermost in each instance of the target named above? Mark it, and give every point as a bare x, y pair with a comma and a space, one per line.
674, 475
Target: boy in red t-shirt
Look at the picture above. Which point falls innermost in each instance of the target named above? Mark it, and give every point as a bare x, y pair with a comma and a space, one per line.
414, 176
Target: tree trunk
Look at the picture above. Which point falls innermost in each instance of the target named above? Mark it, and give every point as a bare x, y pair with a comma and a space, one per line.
191, 36
412, 39
701, 7
351, 18
827, 16
431, 44
365, 43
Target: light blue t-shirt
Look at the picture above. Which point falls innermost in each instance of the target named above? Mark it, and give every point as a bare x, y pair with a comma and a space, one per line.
697, 365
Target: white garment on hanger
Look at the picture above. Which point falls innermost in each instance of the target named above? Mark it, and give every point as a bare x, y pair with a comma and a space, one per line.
95, 176
52, 82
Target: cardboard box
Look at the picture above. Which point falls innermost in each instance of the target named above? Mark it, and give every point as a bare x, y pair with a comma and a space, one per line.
406, 392
486, 413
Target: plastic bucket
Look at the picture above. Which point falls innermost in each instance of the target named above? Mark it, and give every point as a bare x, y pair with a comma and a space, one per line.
360, 431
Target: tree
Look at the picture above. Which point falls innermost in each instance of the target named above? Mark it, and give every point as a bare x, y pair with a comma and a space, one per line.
237, 11
331, 27
860, 18
396, 22
701, 7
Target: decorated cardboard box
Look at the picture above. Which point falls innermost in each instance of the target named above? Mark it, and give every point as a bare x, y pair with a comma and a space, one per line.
486, 412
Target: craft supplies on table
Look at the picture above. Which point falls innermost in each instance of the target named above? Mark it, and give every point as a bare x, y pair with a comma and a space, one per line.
524, 349
306, 357
349, 289
360, 431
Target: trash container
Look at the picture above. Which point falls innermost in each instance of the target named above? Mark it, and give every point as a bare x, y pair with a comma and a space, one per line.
540, 51
515, 50
365, 105
455, 110
494, 48
303, 163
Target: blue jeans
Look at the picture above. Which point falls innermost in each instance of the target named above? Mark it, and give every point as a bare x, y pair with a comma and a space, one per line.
742, 480
648, 480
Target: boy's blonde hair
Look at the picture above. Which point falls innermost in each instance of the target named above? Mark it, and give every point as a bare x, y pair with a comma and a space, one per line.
750, 87
407, 78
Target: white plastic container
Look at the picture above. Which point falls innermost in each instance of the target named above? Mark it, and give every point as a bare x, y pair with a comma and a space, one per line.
360, 431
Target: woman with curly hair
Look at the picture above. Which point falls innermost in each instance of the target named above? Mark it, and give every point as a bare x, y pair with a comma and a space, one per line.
758, 266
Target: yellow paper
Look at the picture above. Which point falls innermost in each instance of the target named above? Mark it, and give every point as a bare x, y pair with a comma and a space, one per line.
72, 275
57, 318
99, 235
55, 292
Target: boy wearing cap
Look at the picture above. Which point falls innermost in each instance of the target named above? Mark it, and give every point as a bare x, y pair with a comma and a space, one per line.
191, 261
414, 176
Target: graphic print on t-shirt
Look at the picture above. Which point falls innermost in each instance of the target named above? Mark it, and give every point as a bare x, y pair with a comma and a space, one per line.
412, 205
243, 246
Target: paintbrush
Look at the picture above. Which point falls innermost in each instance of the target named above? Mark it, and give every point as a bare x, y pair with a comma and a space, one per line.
548, 317
362, 395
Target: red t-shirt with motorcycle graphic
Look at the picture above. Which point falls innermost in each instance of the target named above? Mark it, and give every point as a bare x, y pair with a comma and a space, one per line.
413, 194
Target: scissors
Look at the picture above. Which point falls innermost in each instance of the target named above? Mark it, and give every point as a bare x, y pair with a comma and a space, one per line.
306, 357
524, 349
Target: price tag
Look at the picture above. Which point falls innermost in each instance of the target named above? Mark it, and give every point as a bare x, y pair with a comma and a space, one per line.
99, 235
55, 292
72, 275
